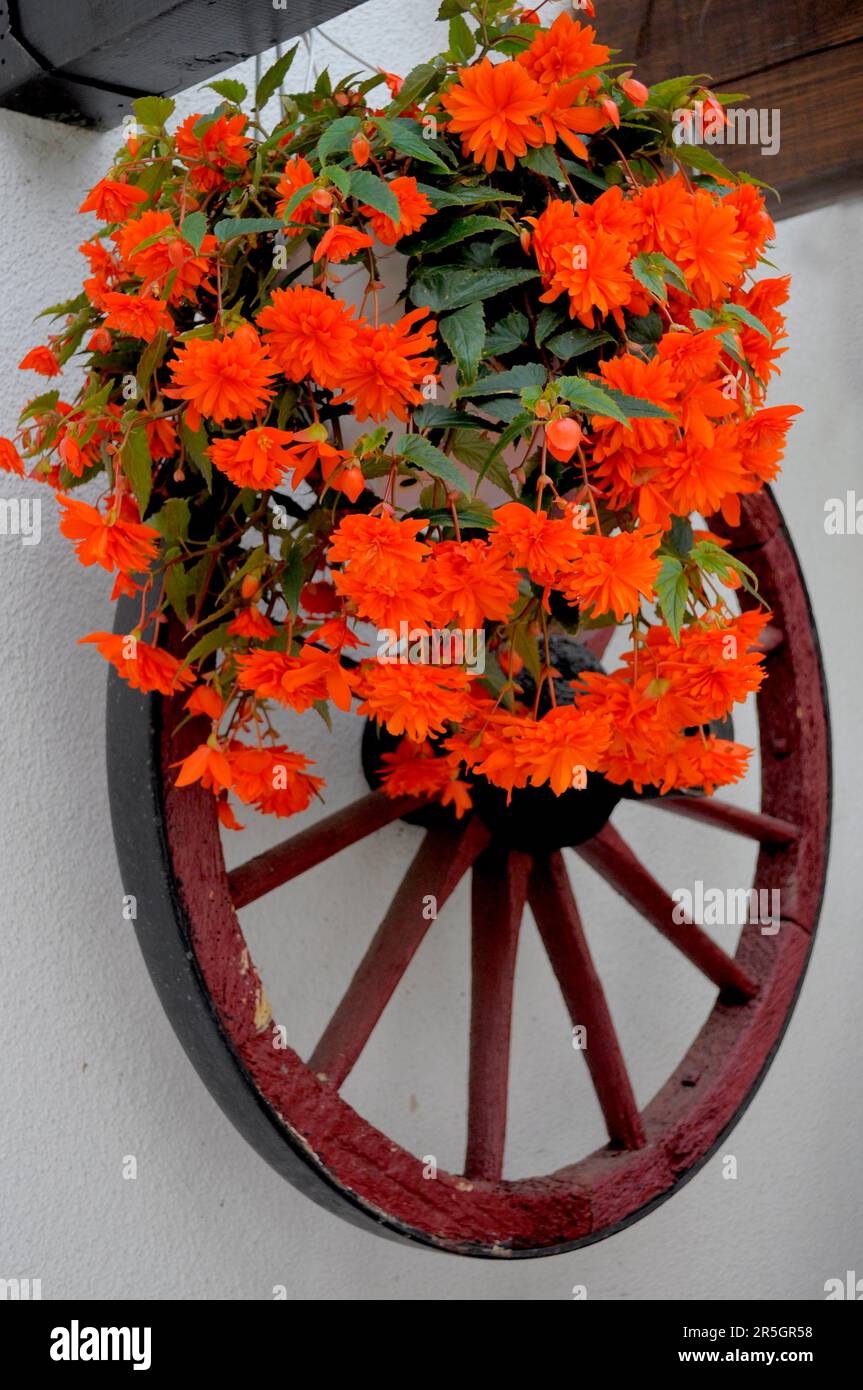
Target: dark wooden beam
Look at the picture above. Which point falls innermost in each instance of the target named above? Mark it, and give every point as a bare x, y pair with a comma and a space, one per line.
84, 61
802, 58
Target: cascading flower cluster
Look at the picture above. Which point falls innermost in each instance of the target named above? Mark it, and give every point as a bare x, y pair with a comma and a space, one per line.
536, 443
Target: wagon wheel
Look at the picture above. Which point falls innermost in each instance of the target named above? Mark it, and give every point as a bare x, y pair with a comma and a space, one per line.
290, 1110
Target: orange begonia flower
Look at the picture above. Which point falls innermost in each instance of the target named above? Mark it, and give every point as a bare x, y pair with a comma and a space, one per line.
593, 269
473, 581
297, 174
413, 699
309, 333
383, 370
339, 243
222, 378
565, 53
139, 315
535, 541
208, 765
42, 360
168, 256
385, 578
414, 210
256, 459
109, 541
142, 667
563, 119
612, 574
711, 253
10, 460
272, 778
112, 200
251, 622
296, 681
493, 107
552, 748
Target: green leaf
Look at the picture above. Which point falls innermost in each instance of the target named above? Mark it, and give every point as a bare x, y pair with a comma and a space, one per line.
543, 161
589, 397
463, 195
450, 8
443, 417
737, 311
193, 229
368, 188
575, 342
230, 227
634, 408
230, 89
500, 383
451, 287
274, 77
672, 590
478, 454
293, 580
137, 465
196, 444
697, 157
405, 135
40, 405
464, 334
648, 274
211, 642
337, 137
507, 334
420, 82
177, 587
668, 95
150, 359
474, 513
172, 520
153, 112
424, 455
548, 319
462, 43
680, 535
457, 231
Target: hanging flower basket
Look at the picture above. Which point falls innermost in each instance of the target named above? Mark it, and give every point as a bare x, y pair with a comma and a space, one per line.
435, 514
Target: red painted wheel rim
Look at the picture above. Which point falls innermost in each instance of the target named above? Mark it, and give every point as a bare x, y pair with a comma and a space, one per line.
365, 1173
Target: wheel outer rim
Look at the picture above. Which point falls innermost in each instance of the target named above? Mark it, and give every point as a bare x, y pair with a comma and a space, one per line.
171, 857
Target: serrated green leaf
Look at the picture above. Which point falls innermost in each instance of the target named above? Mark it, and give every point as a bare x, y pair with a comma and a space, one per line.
40, 405
151, 358
193, 229
196, 444
368, 188
648, 274
672, 590
634, 408
460, 230
512, 381
451, 287
465, 196
575, 342
507, 334
230, 89
424, 455
464, 334
172, 520
337, 137
293, 580
137, 465
589, 397
405, 135
210, 642
697, 157
152, 112
229, 227
737, 311
443, 417
274, 77
420, 82
462, 43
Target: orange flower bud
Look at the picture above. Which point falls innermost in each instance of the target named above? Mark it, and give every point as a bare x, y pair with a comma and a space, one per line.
611, 110
361, 149
635, 90
564, 437
322, 199
249, 586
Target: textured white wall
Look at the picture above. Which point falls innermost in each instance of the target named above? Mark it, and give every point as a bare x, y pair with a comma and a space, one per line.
91, 1070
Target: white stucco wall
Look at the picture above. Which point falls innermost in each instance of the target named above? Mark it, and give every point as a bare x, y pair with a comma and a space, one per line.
91, 1070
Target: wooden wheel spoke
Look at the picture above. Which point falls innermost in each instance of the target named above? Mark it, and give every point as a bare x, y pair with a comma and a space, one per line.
315, 844
769, 830
436, 870
557, 917
615, 861
499, 890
